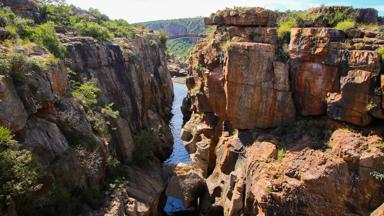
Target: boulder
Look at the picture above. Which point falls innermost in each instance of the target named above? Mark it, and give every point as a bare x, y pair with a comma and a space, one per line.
45, 139
353, 103
12, 112
187, 187
315, 45
255, 16
140, 196
256, 87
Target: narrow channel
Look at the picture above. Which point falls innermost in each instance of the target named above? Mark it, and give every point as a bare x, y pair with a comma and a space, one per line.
179, 154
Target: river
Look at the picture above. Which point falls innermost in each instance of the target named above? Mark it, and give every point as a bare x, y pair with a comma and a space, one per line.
179, 154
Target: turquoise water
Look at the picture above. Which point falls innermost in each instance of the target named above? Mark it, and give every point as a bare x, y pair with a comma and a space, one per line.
179, 153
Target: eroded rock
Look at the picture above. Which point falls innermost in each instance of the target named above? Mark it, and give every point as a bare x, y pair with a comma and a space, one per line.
256, 87
352, 104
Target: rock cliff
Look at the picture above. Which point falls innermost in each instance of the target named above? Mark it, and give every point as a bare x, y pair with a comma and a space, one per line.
87, 117
287, 125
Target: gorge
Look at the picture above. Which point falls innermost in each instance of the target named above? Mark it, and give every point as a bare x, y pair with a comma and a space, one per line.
281, 113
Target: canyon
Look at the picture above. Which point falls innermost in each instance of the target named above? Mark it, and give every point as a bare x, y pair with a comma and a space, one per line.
274, 121
286, 124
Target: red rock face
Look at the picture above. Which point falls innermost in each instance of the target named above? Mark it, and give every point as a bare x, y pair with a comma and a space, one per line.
214, 91
315, 45
353, 104
257, 94
364, 60
243, 17
294, 169
253, 34
312, 83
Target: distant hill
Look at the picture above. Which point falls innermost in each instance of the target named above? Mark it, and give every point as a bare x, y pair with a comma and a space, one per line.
177, 26
179, 47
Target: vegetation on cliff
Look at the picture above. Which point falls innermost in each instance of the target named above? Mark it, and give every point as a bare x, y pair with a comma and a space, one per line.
18, 172
63, 113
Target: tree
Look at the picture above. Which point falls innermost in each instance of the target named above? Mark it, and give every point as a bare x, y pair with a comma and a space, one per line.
18, 174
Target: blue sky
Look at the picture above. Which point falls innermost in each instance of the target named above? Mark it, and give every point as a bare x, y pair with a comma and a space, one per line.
146, 10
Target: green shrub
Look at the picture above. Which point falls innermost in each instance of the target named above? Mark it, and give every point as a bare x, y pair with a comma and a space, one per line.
381, 53
285, 27
18, 174
116, 169
6, 17
98, 15
333, 17
23, 26
60, 202
120, 28
153, 43
45, 36
145, 143
99, 123
94, 30
15, 25
61, 14
18, 65
163, 37
109, 112
346, 24
5, 135
281, 152
87, 93
97, 114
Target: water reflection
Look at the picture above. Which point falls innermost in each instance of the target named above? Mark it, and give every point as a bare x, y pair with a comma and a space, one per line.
179, 154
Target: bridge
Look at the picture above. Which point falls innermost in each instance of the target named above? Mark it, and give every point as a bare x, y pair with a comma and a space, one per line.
187, 36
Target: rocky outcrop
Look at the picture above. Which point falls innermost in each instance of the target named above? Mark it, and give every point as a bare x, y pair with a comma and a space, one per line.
352, 105
257, 87
140, 196
243, 17
141, 91
363, 15
16, 117
225, 80
188, 187
314, 68
250, 97
73, 141
24, 8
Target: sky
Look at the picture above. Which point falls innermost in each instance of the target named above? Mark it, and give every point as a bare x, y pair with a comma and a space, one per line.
146, 10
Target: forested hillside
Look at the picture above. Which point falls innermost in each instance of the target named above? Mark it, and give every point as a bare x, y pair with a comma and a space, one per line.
179, 47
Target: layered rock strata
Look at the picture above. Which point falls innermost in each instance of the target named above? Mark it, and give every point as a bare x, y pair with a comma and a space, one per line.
262, 129
71, 153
